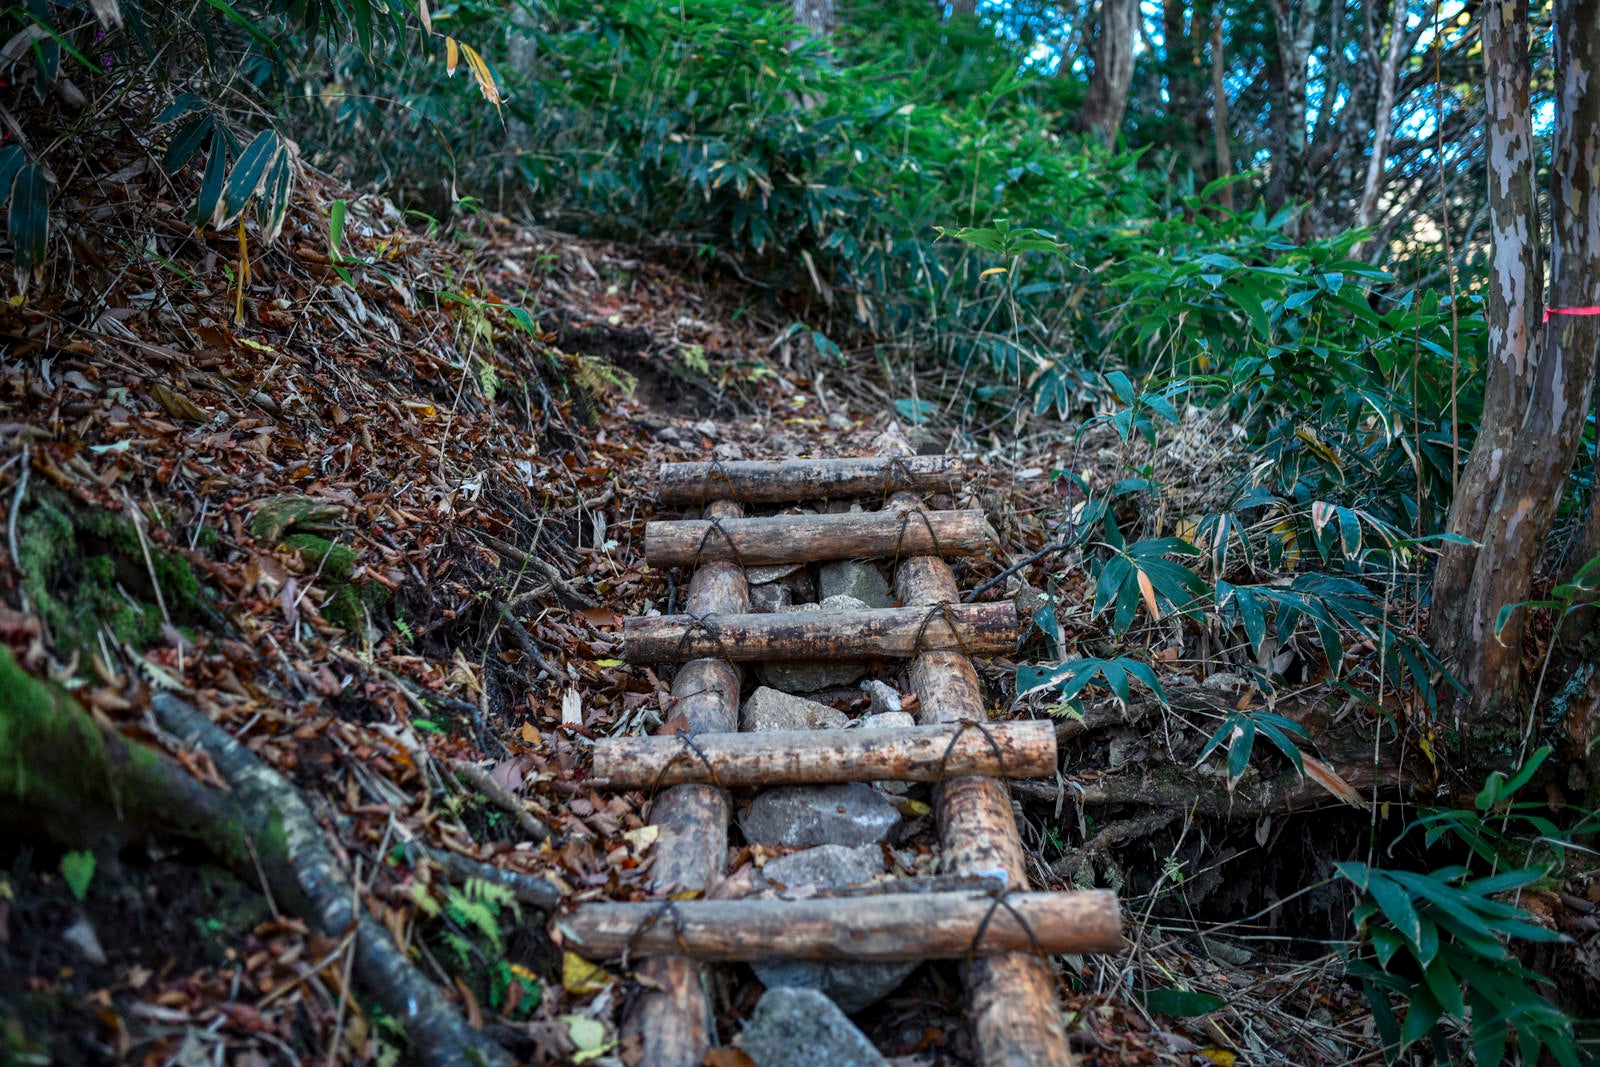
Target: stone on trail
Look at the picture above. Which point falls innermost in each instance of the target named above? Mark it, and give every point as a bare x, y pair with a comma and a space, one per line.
854, 578
882, 696
825, 865
774, 596
803, 1028
807, 676
850, 985
769, 709
852, 814
888, 720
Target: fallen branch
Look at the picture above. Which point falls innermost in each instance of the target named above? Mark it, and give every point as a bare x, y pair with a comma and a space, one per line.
564, 589
503, 798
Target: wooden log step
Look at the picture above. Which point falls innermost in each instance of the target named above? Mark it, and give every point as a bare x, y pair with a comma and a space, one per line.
760, 482
815, 757
976, 629
897, 927
809, 538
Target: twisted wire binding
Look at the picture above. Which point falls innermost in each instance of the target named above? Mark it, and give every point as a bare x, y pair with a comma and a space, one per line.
668, 907
687, 747
998, 899
727, 538
946, 613
897, 476
900, 537
982, 728
715, 469
705, 624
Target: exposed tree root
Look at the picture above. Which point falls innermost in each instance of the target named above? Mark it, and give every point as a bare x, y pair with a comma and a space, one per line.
83, 784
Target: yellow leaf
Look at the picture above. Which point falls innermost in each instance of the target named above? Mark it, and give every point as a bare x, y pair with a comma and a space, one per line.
1148, 591
452, 55
1220, 1056
995, 270
427, 19
480, 73
1320, 450
529, 734
914, 808
258, 346
588, 1036
643, 837
1329, 779
580, 977
608, 663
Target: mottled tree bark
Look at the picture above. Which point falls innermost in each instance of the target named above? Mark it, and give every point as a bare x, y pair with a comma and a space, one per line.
1111, 56
1539, 378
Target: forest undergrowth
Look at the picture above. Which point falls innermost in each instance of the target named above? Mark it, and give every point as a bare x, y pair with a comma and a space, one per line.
285, 454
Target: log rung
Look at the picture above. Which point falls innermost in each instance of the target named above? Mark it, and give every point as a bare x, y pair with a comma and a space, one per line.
809, 538
758, 482
896, 927
892, 633
817, 757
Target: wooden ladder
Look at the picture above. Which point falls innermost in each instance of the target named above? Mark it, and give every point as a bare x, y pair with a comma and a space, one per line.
980, 910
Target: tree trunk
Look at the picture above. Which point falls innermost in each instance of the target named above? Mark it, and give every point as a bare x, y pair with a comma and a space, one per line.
1219, 114
1383, 118
1295, 26
1112, 74
1539, 380
815, 15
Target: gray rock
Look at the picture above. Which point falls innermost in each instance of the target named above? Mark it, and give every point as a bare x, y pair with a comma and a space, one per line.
850, 985
825, 865
888, 720
838, 420
802, 1028
774, 596
807, 676
769, 709
853, 814
764, 575
855, 578
883, 697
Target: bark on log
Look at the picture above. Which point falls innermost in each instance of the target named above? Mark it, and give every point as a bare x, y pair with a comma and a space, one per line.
673, 1013
1011, 997
758, 482
83, 784
809, 538
815, 757
977, 629
894, 928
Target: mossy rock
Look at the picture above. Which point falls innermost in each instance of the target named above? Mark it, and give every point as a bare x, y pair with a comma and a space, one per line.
318, 553
349, 604
85, 569
278, 515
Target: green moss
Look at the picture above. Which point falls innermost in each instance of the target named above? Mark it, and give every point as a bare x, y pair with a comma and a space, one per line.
85, 569
345, 604
275, 517
319, 553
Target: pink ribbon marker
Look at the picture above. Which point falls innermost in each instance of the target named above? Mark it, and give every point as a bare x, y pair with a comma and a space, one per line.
1592, 310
